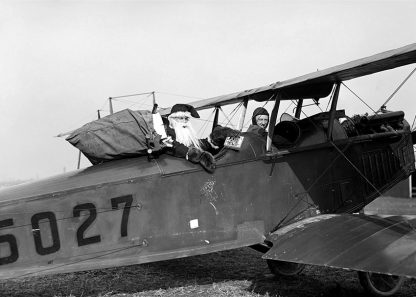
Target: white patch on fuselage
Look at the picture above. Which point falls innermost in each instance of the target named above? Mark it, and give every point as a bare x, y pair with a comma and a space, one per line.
194, 224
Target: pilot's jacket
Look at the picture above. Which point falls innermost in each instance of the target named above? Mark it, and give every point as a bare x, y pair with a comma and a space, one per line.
258, 130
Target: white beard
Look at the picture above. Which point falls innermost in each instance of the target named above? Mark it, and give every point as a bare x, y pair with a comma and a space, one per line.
185, 134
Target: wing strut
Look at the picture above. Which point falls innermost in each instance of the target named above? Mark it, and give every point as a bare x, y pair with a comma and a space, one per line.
215, 123
299, 108
242, 115
272, 123
333, 111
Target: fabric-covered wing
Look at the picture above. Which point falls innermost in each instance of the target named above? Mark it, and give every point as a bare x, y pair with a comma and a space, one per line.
317, 84
358, 242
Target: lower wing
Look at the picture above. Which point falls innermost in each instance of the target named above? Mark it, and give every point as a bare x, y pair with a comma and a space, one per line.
358, 242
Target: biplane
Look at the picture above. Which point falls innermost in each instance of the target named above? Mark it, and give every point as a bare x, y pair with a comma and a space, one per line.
298, 203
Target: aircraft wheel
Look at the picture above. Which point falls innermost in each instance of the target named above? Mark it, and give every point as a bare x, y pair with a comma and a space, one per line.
285, 268
380, 284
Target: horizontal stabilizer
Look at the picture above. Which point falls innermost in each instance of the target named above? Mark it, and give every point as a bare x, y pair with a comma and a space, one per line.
357, 242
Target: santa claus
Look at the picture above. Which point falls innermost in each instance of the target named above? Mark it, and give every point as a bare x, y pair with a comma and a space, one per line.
182, 140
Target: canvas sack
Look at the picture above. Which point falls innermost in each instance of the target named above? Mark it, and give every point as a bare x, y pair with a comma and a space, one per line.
124, 134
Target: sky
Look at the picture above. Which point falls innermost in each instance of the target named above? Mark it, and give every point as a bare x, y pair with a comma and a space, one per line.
60, 61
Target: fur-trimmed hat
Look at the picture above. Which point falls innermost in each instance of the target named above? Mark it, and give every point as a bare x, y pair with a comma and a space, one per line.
258, 111
184, 108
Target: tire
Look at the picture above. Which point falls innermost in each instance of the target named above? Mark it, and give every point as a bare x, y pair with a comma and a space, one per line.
380, 284
282, 268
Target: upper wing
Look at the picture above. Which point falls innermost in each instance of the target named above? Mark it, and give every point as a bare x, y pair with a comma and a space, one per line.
357, 242
317, 84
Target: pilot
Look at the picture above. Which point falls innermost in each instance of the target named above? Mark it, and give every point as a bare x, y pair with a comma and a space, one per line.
260, 121
182, 139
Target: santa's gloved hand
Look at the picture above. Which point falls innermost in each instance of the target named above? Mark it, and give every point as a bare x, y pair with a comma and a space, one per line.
206, 160
194, 154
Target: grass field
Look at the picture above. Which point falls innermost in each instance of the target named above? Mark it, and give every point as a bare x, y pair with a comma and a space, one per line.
240, 272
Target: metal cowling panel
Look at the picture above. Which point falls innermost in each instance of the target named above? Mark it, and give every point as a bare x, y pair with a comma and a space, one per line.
383, 168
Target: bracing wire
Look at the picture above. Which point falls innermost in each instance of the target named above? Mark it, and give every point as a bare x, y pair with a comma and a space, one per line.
362, 100
234, 112
132, 95
223, 123
140, 103
226, 117
109, 252
99, 210
177, 95
396, 90
127, 101
291, 103
306, 105
341, 153
349, 161
356, 168
205, 125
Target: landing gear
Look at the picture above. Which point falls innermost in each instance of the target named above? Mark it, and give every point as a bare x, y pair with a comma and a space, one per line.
285, 268
380, 284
